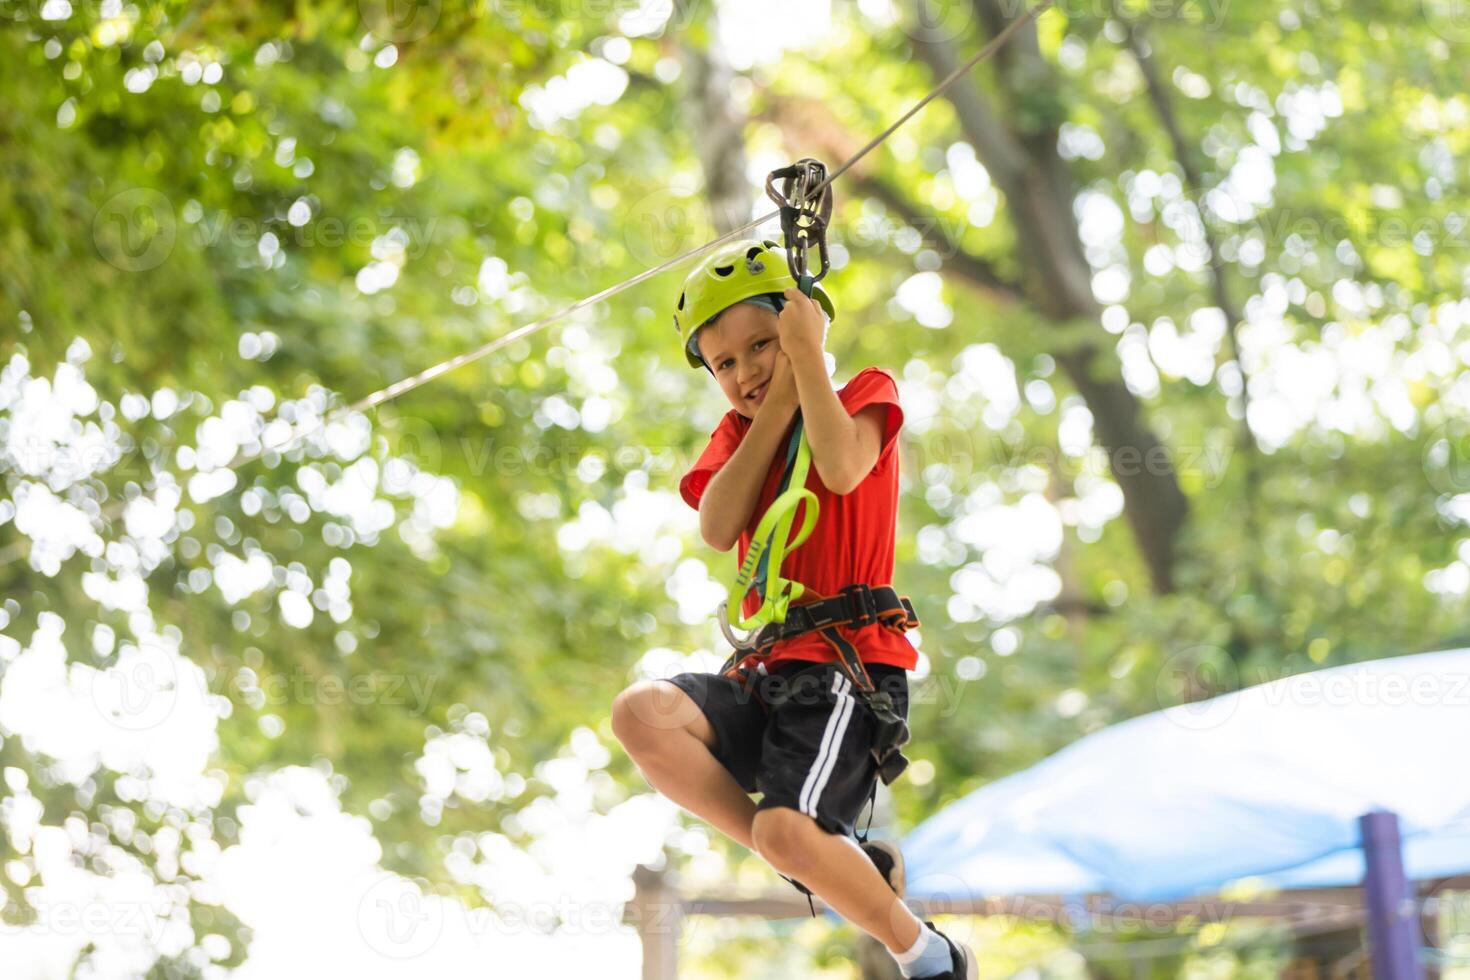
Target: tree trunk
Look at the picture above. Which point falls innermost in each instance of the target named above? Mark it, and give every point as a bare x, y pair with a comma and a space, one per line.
718, 129
1039, 190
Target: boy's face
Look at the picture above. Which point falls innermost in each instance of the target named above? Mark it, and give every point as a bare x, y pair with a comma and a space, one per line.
740, 348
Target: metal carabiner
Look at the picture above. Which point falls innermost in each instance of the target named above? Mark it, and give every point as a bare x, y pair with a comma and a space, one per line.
804, 214
742, 644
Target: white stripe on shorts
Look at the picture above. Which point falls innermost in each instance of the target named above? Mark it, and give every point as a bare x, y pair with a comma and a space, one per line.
821, 770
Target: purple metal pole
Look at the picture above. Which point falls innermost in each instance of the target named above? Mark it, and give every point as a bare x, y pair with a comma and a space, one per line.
1389, 898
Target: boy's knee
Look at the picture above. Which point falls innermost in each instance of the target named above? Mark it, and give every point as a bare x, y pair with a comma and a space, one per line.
647, 708
783, 835
626, 724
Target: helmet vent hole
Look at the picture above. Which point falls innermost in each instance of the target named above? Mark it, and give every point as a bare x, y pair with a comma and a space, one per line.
724, 270
752, 252
681, 301
770, 244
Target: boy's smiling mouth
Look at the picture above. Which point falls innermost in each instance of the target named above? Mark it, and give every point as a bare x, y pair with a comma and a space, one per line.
756, 391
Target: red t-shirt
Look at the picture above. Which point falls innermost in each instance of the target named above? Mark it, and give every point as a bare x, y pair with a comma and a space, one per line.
853, 538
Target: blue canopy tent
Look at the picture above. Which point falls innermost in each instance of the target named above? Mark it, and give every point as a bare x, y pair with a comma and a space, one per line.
1271, 784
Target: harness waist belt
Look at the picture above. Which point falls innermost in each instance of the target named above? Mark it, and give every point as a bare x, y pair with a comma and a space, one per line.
855, 606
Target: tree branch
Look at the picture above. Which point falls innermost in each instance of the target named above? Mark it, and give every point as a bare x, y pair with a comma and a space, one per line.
1025, 46
972, 267
1039, 189
1056, 282
995, 145
1184, 155
719, 128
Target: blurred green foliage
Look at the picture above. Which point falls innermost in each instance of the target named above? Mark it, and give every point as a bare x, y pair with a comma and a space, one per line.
197, 189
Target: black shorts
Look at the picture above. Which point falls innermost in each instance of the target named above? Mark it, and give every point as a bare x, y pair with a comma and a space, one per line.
797, 735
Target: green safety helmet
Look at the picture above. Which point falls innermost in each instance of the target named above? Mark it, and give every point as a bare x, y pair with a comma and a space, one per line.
732, 273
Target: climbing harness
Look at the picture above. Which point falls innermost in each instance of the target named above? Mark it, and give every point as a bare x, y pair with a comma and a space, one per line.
855, 607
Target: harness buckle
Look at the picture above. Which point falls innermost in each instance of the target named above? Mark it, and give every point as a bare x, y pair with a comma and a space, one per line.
891, 764
891, 736
864, 606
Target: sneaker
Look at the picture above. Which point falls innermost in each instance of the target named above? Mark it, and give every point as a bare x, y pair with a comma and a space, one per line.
888, 859
961, 958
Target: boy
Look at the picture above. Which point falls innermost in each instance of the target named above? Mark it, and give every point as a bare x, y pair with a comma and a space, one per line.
786, 721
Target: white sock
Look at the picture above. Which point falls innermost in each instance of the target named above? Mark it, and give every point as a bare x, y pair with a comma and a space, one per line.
927, 957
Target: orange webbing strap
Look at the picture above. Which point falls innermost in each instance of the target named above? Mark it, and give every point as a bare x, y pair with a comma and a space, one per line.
856, 606
847, 656
900, 620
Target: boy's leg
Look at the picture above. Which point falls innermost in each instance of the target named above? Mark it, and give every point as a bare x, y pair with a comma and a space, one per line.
671, 740
838, 872
816, 774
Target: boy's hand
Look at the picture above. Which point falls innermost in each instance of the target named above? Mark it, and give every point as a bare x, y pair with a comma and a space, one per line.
800, 325
781, 394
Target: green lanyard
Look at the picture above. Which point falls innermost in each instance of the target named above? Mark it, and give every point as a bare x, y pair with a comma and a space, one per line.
793, 448
761, 568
